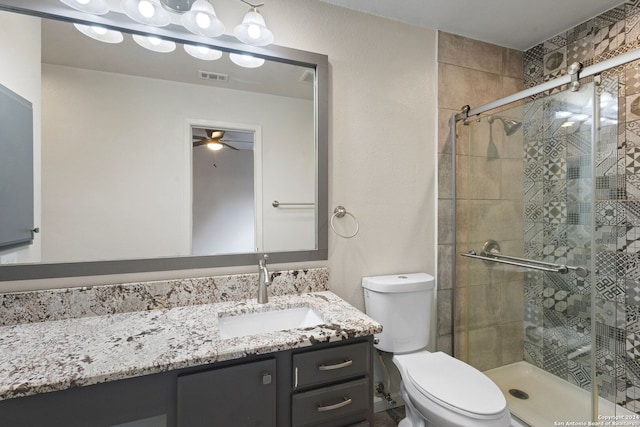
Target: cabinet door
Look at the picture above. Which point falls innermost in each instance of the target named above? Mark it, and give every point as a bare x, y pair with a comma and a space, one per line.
240, 395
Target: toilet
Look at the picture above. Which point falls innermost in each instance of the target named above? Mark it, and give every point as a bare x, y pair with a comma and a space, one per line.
438, 390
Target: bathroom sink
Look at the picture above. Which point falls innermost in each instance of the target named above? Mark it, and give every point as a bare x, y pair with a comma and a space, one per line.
268, 321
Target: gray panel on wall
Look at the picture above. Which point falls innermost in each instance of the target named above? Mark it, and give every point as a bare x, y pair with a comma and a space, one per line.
16, 169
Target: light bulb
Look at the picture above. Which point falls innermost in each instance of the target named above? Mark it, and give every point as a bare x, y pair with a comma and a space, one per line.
154, 41
254, 31
203, 20
215, 146
99, 30
83, 1
146, 9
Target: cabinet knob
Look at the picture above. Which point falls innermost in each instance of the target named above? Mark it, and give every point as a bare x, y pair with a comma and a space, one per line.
266, 378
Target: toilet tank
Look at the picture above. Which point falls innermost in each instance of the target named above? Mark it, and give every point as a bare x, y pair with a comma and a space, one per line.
401, 303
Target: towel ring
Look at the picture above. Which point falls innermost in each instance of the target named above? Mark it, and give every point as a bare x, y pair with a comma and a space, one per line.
340, 212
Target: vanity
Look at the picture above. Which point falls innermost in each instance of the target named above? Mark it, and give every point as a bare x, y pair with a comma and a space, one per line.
191, 365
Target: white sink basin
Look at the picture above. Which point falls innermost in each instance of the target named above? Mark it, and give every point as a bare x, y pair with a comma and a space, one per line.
268, 321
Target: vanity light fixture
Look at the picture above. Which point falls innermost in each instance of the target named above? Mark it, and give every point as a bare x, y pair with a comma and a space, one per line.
253, 30
246, 60
201, 19
94, 7
154, 43
148, 12
203, 52
99, 33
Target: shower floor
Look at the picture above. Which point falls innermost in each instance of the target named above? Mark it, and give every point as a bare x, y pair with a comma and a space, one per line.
552, 401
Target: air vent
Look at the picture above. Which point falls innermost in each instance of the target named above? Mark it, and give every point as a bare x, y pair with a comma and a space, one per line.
210, 75
308, 77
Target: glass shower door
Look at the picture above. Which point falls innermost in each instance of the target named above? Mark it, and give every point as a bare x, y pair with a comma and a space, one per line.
530, 177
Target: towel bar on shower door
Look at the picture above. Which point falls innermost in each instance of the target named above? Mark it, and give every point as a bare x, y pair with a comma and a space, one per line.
491, 253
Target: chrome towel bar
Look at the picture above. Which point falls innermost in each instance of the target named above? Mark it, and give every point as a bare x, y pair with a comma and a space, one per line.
277, 204
491, 252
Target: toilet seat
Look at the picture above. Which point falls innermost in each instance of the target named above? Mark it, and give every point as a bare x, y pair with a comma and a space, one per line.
453, 384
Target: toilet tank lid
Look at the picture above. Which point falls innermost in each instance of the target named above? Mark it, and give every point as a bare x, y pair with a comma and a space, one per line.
393, 283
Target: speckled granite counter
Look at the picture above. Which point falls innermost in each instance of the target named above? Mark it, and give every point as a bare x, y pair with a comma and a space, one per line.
55, 355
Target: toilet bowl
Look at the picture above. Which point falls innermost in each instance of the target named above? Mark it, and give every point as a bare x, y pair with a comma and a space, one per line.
438, 390
449, 393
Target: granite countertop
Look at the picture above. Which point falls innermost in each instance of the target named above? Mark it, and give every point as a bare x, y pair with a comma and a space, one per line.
55, 355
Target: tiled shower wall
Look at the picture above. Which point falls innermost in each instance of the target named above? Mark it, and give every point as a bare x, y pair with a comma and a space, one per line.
471, 72
560, 307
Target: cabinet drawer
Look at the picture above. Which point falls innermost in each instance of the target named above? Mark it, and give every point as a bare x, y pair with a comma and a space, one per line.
332, 403
331, 364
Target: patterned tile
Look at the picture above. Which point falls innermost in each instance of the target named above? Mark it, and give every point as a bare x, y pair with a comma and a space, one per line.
580, 31
632, 160
555, 213
580, 50
611, 237
554, 62
555, 299
610, 213
633, 186
579, 374
609, 17
609, 288
632, 289
610, 314
631, 211
609, 38
633, 345
632, 313
632, 103
632, 133
533, 354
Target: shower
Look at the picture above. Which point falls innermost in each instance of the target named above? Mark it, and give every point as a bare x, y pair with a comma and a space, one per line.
542, 310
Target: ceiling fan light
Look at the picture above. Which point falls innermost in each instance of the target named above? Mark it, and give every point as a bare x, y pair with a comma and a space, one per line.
100, 33
202, 20
203, 52
94, 7
148, 12
246, 61
215, 145
155, 44
253, 30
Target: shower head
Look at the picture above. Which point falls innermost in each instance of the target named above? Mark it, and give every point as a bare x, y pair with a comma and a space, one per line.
510, 126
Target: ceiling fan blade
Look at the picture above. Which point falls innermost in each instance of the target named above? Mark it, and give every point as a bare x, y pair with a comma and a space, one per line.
201, 142
227, 145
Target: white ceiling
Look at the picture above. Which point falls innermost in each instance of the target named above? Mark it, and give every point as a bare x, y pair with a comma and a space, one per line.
518, 24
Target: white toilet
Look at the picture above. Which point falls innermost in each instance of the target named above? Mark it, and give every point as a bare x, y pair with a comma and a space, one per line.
438, 390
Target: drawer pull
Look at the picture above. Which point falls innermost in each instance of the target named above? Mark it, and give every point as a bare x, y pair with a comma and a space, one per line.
346, 401
344, 364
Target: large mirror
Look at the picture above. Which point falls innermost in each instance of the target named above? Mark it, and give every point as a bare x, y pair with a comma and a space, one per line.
128, 182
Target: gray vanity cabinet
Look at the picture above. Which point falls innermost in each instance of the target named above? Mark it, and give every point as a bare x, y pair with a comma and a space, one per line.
242, 395
323, 385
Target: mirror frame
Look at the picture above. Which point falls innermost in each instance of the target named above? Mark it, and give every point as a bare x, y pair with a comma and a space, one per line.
54, 9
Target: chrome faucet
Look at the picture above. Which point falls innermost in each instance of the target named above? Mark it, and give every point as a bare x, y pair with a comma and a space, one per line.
264, 280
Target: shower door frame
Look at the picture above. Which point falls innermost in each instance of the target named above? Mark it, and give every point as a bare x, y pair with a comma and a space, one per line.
467, 112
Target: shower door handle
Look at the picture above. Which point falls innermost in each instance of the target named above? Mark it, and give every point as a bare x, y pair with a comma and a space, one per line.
562, 269
491, 252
